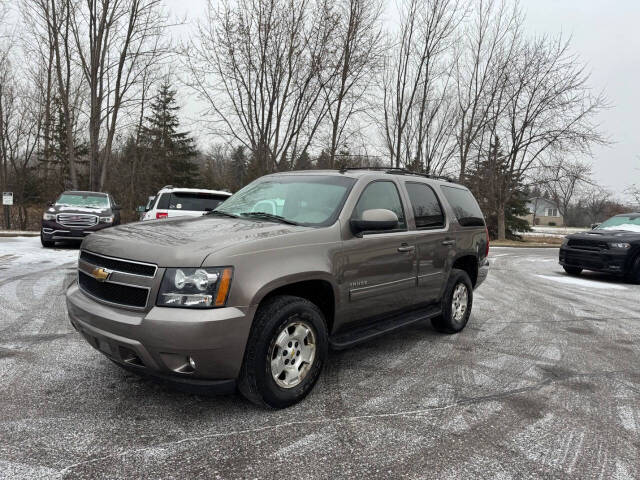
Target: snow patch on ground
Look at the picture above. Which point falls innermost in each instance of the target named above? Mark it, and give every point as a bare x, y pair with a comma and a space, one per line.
581, 282
23, 255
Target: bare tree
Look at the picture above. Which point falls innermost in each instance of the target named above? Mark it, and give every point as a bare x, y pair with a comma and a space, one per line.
7, 93
596, 201
548, 108
359, 41
50, 23
488, 46
21, 118
262, 67
417, 124
562, 179
117, 41
634, 192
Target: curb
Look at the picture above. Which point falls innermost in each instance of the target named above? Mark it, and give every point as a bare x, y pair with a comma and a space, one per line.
19, 234
524, 246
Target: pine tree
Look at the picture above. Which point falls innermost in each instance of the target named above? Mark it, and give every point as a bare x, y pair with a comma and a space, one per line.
170, 152
487, 179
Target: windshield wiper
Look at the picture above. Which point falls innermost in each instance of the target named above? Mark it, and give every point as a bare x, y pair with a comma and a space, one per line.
221, 213
269, 216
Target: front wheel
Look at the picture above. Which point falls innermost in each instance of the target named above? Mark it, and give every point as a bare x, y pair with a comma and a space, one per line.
456, 303
572, 270
46, 243
286, 350
634, 274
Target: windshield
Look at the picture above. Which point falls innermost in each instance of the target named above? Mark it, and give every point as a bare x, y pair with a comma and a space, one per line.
90, 200
310, 200
630, 223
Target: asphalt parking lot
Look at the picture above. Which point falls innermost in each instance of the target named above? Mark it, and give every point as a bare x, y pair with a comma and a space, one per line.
544, 382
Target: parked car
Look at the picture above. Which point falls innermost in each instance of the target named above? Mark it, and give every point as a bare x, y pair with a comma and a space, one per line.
76, 214
183, 202
254, 293
611, 247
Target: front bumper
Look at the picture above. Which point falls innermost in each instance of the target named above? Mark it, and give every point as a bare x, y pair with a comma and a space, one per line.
608, 261
160, 341
52, 231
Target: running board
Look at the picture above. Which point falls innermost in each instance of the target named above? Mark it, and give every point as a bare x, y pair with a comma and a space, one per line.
382, 327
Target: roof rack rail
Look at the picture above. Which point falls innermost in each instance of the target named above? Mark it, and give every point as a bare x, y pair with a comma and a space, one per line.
399, 171
166, 186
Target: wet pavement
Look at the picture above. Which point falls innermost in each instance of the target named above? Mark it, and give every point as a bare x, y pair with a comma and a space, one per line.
543, 382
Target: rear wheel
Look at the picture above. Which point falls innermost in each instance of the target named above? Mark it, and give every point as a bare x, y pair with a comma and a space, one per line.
572, 270
456, 303
285, 352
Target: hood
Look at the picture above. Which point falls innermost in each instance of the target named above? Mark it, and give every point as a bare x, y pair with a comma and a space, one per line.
607, 236
182, 241
82, 210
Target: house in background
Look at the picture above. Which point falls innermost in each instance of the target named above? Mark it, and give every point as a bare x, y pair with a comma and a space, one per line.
543, 211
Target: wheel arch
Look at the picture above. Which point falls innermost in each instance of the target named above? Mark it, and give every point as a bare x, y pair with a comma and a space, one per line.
469, 264
318, 288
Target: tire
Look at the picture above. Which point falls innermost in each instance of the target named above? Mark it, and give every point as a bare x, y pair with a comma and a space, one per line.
572, 270
634, 273
46, 243
452, 320
281, 321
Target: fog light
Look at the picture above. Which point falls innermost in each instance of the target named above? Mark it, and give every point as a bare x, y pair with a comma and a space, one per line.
192, 362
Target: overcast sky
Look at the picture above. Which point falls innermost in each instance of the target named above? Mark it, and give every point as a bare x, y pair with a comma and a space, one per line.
606, 35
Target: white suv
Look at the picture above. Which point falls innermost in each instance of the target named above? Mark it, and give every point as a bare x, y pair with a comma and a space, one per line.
183, 202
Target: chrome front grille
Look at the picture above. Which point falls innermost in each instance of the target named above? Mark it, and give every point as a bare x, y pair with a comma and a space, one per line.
77, 220
128, 283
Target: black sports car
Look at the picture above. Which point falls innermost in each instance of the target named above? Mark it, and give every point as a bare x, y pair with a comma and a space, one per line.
611, 247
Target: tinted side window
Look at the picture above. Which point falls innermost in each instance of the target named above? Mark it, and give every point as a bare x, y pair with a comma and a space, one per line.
163, 201
381, 195
194, 201
464, 206
426, 207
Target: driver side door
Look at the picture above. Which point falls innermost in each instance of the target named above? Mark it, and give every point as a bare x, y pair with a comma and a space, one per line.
380, 268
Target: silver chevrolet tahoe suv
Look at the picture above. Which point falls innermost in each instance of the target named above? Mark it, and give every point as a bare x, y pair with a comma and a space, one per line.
254, 294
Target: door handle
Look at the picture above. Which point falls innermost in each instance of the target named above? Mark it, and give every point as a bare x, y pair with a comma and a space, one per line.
406, 248
449, 242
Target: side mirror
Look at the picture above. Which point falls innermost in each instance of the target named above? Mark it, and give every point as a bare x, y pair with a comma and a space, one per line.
594, 226
374, 220
117, 207
49, 204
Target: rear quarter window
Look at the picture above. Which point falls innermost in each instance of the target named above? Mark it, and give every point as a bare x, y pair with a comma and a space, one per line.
163, 201
464, 205
199, 202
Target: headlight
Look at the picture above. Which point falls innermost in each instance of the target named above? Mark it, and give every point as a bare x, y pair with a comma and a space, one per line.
106, 219
565, 240
195, 287
620, 245
49, 216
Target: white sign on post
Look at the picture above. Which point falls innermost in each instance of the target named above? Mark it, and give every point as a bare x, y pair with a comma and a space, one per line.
7, 198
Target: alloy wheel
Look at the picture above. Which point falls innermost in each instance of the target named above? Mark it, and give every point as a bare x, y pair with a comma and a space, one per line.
292, 354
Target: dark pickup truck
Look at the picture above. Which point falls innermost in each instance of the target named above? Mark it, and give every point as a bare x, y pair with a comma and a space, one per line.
612, 247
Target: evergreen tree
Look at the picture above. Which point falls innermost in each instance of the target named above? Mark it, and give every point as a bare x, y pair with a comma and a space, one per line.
239, 168
487, 179
171, 153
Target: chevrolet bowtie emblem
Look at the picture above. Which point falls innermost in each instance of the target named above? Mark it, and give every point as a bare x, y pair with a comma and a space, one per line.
101, 274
